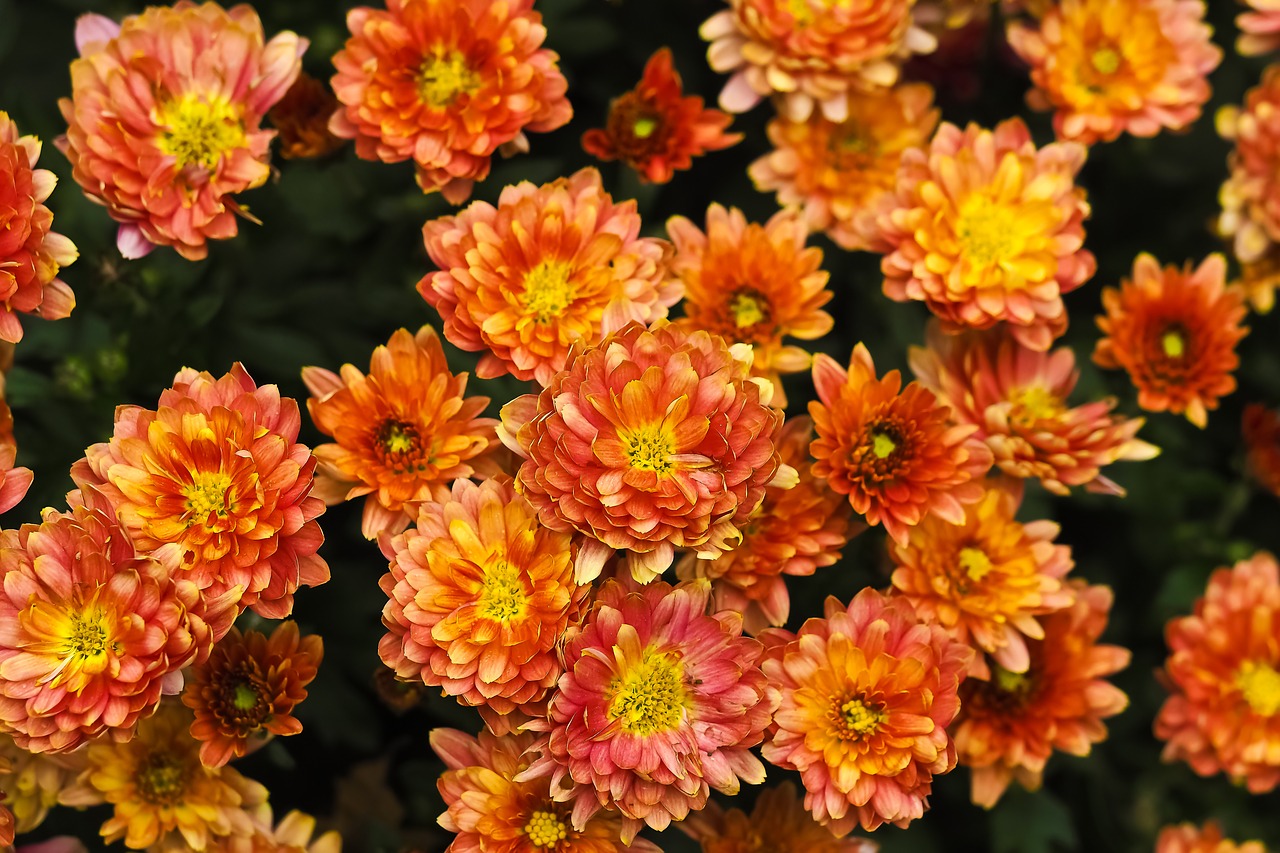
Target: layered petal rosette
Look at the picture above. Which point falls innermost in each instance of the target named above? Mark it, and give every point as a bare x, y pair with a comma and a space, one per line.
549, 267
446, 84
984, 228
1259, 28
165, 119
650, 441
1250, 196
779, 823
1189, 838
867, 694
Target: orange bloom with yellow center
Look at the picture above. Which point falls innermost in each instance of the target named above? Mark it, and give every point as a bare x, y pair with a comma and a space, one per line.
1262, 441
779, 823
549, 267
402, 433
1107, 67
1250, 196
867, 694
1223, 673
1011, 723
1017, 397
984, 228
163, 141
446, 84
1189, 838
1175, 332
810, 53
891, 449
840, 172
753, 284
301, 118
1259, 28
655, 130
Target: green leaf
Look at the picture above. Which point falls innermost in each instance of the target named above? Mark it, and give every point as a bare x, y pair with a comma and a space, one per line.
1031, 823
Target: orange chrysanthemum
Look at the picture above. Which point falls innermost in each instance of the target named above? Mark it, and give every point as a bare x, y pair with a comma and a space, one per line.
810, 52
1259, 28
1010, 725
165, 142
779, 823
302, 119
493, 813
215, 480
867, 694
794, 532
446, 85
292, 835
14, 482
1017, 397
1250, 196
1175, 333
30, 254
891, 449
840, 172
402, 434
753, 284
549, 267
1223, 673
650, 441
33, 781
1259, 280
655, 130
1108, 67
1189, 838
94, 633
984, 227
1261, 430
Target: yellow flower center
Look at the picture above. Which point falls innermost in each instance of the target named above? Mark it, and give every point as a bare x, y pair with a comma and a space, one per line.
1034, 403
502, 594
162, 778
1260, 684
883, 445
975, 563
1173, 344
207, 495
544, 829
747, 309
199, 132
856, 719
444, 77
1105, 60
650, 696
644, 127
987, 231
397, 437
547, 291
648, 449
1009, 682
803, 10
245, 696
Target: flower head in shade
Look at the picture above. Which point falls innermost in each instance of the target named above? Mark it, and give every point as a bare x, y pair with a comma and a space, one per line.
1259, 28
550, 266
94, 633
446, 84
794, 532
840, 172
33, 781
165, 140
1108, 67
984, 228
810, 53
1223, 674
402, 433
1012, 722
1017, 397
779, 823
14, 481
655, 130
891, 449
30, 254
867, 694
1259, 280
1250, 196
1189, 838
293, 834
215, 479
659, 704
302, 119
493, 813
753, 284
650, 441
1261, 430
1175, 332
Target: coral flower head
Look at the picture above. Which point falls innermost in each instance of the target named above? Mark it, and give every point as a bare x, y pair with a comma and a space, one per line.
14, 482
1259, 28
779, 823
1189, 838
1250, 196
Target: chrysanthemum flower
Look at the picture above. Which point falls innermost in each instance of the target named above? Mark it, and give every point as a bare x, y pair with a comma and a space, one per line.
1107, 67
1261, 430
1223, 673
655, 130
164, 798
402, 434
446, 85
1259, 28
891, 449
1189, 838
165, 141
1259, 280
30, 254
753, 284
867, 694
302, 119
840, 172
779, 823
215, 479
810, 53
1175, 332
1010, 724
651, 441
984, 227
794, 532
33, 781
292, 835
1250, 197
93, 632
1017, 397
493, 813
14, 482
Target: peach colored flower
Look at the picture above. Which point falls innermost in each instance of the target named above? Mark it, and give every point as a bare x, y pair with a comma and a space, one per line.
779, 823
1261, 430
32, 782
402, 433
292, 835
1259, 280
1189, 838
14, 482
446, 84
1259, 28
1175, 332
301, 118
166, 142
1250, 196
984, 227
